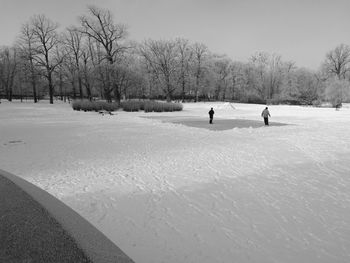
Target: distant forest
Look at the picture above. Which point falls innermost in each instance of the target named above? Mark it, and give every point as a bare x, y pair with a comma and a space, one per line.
96, 60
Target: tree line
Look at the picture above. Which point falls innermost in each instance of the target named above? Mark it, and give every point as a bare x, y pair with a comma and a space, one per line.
95, 59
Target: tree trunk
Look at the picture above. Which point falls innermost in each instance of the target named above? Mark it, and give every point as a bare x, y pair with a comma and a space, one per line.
33, 81
117, 95
21, 91
168, 88
107, 94
87, 83
61, 87
233, 88
73, 89
81, 95
10, 94
197, 89
34, 91
88, 91
168, 97
224, 93
183, 88
51, 91
65, 93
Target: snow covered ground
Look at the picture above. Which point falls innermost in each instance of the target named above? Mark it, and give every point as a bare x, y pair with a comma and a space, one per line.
167, 192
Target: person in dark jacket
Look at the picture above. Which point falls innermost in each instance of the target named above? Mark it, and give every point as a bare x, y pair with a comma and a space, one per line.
266, 114
211, 115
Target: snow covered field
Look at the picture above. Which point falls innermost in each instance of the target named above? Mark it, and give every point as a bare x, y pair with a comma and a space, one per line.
167, 192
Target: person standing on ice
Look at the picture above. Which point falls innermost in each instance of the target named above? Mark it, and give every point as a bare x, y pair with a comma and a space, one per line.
266, 114
211, 115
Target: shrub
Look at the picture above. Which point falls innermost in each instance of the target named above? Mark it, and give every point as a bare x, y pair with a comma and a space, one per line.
337, 91
150, 106
317, 103
155, 106
87, 105
132, 105
76, 105
109, 106
287, 101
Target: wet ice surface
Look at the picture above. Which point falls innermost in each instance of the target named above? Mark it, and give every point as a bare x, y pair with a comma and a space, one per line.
168, 192
217, 125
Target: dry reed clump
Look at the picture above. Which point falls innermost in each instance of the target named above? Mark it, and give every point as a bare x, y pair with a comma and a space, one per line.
86, 105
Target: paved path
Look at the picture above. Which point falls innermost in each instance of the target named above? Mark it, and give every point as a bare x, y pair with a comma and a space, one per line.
35, 227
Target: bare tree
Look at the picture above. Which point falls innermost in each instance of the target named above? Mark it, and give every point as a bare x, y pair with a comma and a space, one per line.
200, 51
337, 91
60, 72
125, 75
46, 40
185, 57
21, 78
151, 78
221, 67
307, 86
26, 45
103, 72
235, 79
99, 25
87, 68
260, 61
73, 45
275, 75
68, 69
162, 57
337, 61
8, 69
269, 73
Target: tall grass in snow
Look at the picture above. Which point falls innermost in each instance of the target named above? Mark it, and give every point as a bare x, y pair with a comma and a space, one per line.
86, 105
154, 106
131, 105
150, 106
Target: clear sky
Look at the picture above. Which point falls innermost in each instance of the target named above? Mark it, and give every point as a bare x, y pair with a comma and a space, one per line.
300, 30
